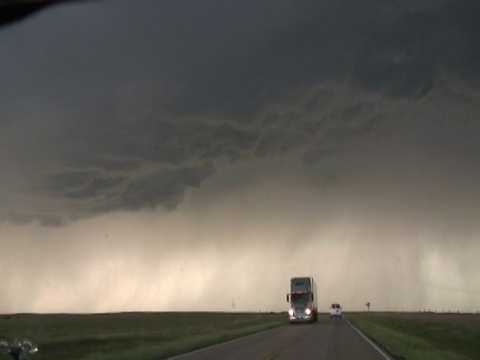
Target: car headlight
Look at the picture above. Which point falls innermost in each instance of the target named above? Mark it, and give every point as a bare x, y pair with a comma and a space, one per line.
290, 312
308, 311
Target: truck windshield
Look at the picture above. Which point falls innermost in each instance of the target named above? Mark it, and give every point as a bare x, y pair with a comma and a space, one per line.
300, 285
300, 298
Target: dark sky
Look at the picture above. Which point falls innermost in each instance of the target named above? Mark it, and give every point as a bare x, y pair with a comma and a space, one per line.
230, 145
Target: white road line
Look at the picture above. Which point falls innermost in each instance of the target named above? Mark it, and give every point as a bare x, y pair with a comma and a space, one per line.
387, 357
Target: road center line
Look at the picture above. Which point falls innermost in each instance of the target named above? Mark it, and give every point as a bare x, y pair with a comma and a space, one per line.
285, 347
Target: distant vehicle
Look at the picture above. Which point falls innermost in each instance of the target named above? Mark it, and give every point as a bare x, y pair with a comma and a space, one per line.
303, 300
336, 310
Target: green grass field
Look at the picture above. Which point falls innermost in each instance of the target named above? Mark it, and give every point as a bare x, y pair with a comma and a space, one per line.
131, 335
423, 336
122, 336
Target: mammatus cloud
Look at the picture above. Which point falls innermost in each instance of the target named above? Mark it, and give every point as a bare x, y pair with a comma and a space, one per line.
135, 116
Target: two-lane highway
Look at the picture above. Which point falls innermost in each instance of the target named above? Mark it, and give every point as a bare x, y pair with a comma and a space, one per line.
328, 339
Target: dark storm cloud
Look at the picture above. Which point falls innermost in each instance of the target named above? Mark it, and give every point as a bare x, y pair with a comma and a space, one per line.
399, 55
119, 106
84, 187
88, 160
360, 109
165, 187
42, 219
458, 32
96, 192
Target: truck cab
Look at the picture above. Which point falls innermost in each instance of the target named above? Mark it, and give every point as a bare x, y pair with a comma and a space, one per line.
303, 300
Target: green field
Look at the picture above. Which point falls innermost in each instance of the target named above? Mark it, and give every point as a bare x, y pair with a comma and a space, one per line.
122, 336
125, 336
423, 335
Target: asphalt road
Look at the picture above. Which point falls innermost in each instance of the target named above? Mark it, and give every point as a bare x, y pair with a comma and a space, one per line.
328, 339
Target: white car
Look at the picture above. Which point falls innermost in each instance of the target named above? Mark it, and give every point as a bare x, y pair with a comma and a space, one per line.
336, 310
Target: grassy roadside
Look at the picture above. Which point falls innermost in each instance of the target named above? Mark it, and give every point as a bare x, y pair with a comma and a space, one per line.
181, 345
423, 336
131, 335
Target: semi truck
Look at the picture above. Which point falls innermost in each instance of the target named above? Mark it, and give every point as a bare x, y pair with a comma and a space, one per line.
303, 300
